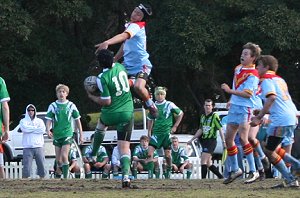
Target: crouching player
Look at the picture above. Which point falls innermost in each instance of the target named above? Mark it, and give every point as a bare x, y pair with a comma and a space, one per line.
100, 164
180, 160
140, 156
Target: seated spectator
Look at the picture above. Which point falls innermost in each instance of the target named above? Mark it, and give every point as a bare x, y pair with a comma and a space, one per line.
180, 160
100, 164
73, 165
115, 161
141, 162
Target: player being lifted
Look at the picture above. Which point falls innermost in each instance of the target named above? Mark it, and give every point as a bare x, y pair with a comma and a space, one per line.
133, 49
117, 109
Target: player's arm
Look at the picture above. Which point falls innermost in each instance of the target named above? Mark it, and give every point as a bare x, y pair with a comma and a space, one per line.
48, 126
79, 128
269, 102
178, 119
119, 54
99, 100
197, 135
244, 93
119, 38
150, 126
5, 113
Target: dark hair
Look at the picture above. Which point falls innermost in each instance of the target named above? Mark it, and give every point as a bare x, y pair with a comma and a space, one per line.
105, 58
269, 60
144, 137
146, 9
210, 100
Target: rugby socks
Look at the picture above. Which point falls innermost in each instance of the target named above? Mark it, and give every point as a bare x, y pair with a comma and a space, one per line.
281, 167
157, 172
150, 171
203, 171
258, 162
215, 171
287, 158
125, 164
65, 170
98, 139
248, 152
105, 175
258, 149
88, 175
188, 174
232, 156
77, 175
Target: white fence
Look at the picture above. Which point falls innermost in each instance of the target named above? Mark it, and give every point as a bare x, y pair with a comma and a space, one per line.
13, 170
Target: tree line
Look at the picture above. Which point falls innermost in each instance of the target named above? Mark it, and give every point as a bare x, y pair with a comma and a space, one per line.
193, 45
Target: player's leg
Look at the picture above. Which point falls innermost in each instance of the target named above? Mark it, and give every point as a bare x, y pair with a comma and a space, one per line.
2, 173
140, 89
189, 171
156, 168
106, 170
98, 137
65, 156
58, 159
87, 170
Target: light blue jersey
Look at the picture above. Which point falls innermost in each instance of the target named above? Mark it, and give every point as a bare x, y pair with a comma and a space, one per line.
245, 79
283, 111
135, 54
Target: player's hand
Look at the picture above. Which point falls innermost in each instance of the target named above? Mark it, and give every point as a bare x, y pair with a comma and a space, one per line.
101, 46
256, 112
225, 87
255, 121
50, 134
4, 137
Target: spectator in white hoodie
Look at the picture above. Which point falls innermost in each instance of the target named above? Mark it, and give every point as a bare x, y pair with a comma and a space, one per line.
33, 129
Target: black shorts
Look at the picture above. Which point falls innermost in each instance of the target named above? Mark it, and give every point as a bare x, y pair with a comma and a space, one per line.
208, 145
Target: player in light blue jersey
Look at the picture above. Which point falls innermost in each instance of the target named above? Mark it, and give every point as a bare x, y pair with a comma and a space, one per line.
133, 49
245, 85
282, 111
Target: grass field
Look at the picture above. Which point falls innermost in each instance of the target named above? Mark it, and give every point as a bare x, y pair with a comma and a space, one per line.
142, 188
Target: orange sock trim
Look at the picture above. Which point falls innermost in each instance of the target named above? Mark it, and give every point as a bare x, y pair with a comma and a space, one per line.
255, 145
247, 149
280, 152
232, 150
255, 154
277, 160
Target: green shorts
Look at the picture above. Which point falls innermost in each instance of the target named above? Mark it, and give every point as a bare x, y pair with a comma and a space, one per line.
161, 140
123, 122
146, 167
63, 141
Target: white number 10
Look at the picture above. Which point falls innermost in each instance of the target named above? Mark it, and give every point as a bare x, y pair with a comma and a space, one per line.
122, 78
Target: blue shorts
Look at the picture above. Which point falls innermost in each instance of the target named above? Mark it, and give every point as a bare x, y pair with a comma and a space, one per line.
239, 114
285, 132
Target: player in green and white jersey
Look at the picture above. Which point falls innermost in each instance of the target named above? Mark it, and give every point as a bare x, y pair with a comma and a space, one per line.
160, 128
4, 121
139, 157
101, 163
117, 108
59, 117
180, 159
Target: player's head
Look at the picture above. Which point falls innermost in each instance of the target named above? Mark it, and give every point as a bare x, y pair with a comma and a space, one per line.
62, 91
141, 12
250, 53
144, 141
208, 106
105, 58
160, 93
175, 141
265, 63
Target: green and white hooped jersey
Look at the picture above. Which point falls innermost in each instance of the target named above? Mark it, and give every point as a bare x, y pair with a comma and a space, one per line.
142, 153
179, 156
61, 115
4, 96
101, 154
114, 85
164, 122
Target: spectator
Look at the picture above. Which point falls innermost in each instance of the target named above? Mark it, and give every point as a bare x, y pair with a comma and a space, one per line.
180, 160
33, 129
100, 164
140, 156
